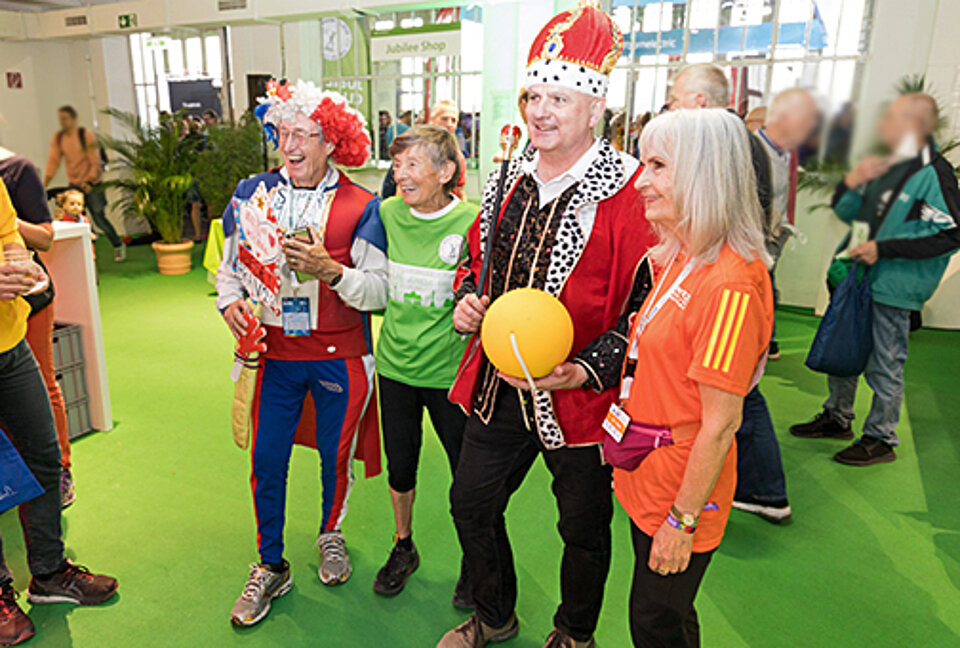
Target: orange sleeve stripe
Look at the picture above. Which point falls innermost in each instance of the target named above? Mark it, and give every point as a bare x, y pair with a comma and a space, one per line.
736, 333
716, 327
727, 327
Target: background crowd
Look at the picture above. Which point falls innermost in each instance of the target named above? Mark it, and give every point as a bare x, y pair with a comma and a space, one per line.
660, 238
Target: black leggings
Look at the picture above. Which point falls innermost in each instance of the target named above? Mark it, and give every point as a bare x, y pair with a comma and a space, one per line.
401, 419
661, 607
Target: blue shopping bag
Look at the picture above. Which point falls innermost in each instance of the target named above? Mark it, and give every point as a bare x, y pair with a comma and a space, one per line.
17, 483
844, 338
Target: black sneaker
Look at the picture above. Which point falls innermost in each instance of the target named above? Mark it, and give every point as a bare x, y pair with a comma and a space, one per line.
823, 426
75, 584
777, 512
866, 452
774, 352
393, 575
463, 593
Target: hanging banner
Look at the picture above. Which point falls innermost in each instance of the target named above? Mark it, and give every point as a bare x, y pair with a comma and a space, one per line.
427, 42
344, 56
729, 40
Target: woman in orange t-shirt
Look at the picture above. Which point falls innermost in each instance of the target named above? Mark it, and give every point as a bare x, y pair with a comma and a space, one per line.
696, 346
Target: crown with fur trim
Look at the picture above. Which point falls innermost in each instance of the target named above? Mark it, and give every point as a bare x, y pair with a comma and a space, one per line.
577, 49
340, 124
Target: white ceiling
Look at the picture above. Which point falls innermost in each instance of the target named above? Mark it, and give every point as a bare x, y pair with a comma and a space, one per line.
47, 5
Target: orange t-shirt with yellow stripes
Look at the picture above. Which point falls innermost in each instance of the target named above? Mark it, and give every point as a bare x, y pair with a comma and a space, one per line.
714, 330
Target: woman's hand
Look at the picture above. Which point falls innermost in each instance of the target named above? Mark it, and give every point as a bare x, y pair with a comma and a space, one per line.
469, 312
568, 375
311, 257
670, 551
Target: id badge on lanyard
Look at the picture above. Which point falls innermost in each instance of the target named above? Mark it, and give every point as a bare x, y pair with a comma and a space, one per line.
295, 314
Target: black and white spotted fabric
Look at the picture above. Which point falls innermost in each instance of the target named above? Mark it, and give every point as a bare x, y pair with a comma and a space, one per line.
605, 177
569, 75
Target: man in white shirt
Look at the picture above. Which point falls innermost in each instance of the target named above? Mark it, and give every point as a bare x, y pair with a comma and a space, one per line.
315, 288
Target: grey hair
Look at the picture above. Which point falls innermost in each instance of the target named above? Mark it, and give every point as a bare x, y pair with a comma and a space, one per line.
708, 79
714, 185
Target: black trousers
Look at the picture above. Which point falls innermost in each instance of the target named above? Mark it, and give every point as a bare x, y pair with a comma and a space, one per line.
401, 420
661, 607
494, 460
27, 420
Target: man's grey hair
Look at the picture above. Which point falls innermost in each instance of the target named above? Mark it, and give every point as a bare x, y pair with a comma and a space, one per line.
714, 185
708, 79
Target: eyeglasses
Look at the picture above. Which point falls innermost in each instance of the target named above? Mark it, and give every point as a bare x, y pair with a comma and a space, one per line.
299, 137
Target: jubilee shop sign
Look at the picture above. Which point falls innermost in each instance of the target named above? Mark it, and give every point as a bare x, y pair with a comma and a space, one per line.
426, 42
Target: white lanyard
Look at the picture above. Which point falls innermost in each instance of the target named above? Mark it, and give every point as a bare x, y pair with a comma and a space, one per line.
649, 313
647, 316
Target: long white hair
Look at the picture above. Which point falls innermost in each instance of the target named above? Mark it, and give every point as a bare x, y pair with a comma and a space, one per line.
714, 185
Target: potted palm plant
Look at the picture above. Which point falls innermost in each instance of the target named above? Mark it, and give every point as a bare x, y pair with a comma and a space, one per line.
231, 154
153, 182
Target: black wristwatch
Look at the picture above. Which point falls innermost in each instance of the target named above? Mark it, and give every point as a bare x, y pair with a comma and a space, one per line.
336, 280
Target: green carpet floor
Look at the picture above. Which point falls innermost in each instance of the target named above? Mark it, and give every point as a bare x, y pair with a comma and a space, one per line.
871, 559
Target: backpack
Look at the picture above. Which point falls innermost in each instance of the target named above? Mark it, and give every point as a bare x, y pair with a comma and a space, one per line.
82, 132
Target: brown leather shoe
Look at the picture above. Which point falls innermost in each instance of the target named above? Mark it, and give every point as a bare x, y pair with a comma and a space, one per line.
473, 633
15, 626
75, 584
560, 639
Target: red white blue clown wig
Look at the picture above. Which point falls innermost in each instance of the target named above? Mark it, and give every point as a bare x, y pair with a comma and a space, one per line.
340, 124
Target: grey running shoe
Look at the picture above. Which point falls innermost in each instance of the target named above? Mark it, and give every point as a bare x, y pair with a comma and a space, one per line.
67, 493
335, 564
473, 633
262, 587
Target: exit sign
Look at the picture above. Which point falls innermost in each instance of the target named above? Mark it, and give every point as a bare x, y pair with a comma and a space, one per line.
127, 21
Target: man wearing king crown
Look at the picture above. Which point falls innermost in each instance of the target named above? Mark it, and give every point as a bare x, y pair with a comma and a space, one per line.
307, 245
572, 225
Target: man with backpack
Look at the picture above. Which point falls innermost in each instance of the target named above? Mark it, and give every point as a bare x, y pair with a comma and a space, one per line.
84, 162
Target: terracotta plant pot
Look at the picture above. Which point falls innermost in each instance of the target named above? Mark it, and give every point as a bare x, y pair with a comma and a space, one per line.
173, 258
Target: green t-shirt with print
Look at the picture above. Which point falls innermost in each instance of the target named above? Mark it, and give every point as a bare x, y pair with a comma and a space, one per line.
418, 345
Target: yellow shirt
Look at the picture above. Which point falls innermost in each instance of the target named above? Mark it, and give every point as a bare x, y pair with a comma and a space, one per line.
13, 313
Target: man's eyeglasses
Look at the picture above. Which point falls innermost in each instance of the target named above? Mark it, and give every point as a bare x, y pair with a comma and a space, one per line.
299, 137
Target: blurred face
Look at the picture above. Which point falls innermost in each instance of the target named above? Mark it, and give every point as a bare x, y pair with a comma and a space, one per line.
420, 184
304, 154
799, 123
560, 121
655, 185
384, 121
209, 120
74, 203
681, 96
445, 118
897, 121
67, 122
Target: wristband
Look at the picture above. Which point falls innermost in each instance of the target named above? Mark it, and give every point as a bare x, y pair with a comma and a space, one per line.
336, 280
681, 522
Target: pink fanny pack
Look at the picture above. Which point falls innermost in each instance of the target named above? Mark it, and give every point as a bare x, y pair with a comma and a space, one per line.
638, 441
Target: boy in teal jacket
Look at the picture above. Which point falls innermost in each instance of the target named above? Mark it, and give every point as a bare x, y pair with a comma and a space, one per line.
911, 204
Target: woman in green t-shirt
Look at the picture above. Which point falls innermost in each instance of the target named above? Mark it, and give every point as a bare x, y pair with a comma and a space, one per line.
418, 352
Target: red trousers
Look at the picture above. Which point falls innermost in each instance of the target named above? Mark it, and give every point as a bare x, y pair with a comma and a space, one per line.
40, 339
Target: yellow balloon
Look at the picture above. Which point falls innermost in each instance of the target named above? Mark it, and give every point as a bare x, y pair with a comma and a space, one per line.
542, 328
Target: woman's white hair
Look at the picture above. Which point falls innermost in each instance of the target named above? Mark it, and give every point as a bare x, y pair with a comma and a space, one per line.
714, 185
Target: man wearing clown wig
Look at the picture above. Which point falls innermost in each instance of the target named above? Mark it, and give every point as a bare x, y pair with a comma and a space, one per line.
307, 245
